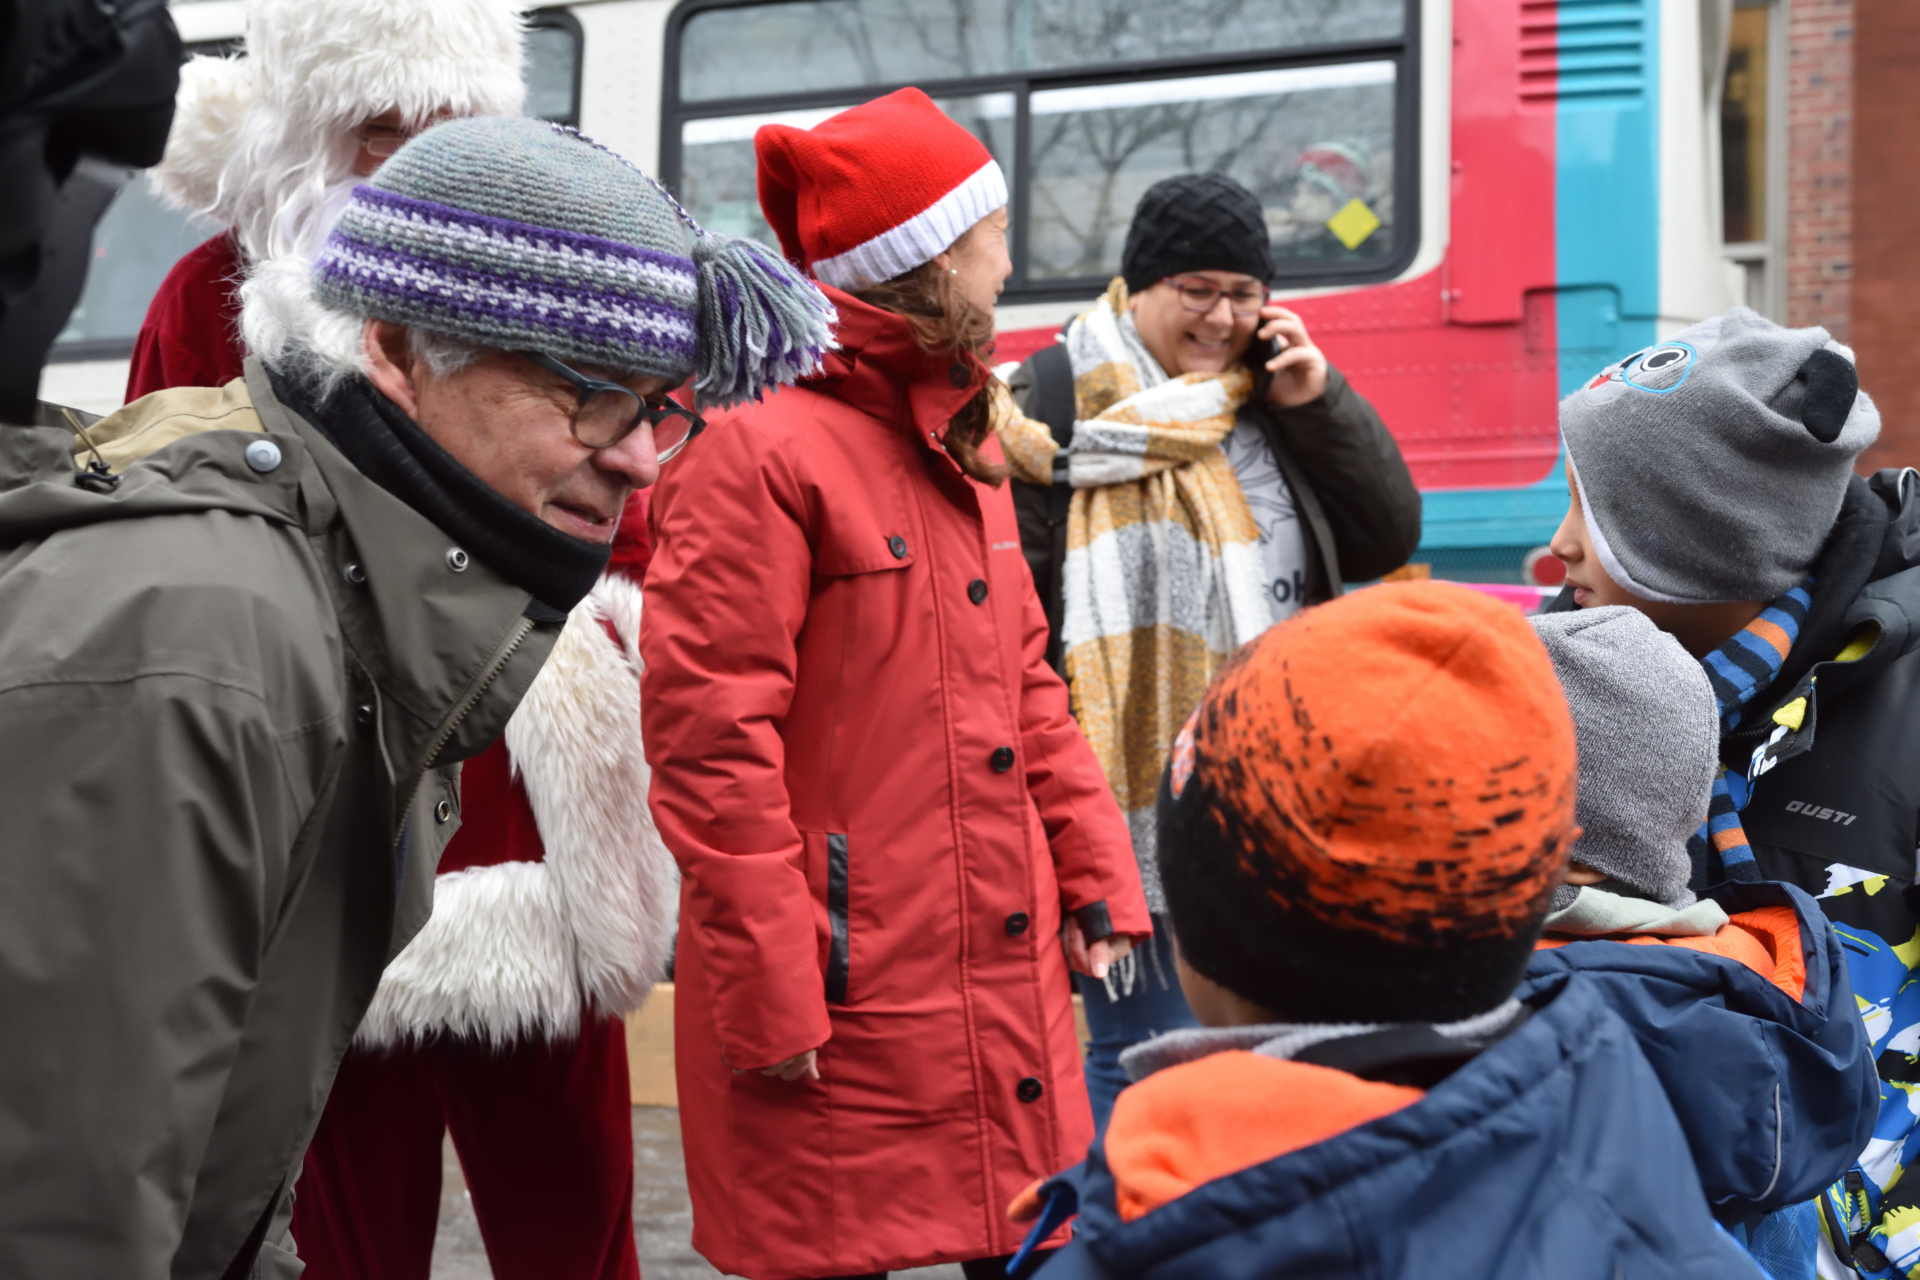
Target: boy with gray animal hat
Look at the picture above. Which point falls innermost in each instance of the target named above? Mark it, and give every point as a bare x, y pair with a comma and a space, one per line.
1739, 994
1712, 486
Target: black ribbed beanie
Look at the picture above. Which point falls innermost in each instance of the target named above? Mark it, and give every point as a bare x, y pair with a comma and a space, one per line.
1195, 222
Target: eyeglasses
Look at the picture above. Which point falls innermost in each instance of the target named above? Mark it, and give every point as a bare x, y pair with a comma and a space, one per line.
1201, 296
607, 412
382, 139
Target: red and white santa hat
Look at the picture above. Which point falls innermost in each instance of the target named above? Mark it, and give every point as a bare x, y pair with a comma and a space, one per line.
875, 191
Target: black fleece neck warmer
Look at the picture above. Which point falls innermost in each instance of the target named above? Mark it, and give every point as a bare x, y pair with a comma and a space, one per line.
390, 449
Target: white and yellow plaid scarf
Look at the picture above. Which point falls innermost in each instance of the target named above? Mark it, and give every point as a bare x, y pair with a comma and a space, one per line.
1163, 576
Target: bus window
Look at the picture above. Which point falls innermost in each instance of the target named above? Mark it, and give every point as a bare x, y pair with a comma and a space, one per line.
1085, 103
1315, 144
798, 46
553, 66
135, 244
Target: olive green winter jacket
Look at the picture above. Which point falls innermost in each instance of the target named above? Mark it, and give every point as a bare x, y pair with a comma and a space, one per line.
234, 687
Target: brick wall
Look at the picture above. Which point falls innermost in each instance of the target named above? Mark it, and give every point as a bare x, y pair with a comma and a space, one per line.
1820, 162
1886, 222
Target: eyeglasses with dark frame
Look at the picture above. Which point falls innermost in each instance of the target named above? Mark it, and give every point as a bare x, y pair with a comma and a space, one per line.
1200, 295
607, 412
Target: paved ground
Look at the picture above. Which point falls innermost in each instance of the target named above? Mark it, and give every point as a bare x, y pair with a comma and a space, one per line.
662, 1219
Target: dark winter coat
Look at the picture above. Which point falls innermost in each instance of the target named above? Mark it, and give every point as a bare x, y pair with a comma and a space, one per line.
1770, 1074
882, 811
233, 700
1552, 1153
1838, 816
1358, 507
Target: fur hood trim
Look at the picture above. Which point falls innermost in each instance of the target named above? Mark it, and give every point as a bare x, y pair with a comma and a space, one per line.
255, 132
516, 950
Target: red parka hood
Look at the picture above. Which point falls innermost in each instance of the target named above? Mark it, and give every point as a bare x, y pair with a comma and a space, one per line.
878, 360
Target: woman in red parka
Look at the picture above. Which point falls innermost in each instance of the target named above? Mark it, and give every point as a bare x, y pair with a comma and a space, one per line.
885, 819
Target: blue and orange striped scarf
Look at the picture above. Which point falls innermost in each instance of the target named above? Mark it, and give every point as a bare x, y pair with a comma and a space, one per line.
1738, 670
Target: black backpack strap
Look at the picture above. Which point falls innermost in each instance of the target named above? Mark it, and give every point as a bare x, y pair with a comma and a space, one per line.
1053, 403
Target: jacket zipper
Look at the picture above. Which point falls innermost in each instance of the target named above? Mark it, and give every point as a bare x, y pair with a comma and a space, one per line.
501, 657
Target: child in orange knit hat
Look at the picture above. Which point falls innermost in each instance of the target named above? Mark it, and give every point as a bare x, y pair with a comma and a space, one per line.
1361, 828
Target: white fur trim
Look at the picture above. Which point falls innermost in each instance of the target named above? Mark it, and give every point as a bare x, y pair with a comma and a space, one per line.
920, 238
513, 950
493, 961
259, 140
285, 325
215, 97
576, 742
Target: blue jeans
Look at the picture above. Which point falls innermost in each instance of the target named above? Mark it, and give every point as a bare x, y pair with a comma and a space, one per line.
1154, 1005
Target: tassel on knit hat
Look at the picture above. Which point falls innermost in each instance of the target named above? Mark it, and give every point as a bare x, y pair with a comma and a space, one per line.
1365, 818
524, 236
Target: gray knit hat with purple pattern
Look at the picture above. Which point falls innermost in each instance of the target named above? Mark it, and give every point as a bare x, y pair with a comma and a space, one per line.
511, 233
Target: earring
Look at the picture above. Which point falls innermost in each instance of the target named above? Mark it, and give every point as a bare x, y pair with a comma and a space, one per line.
953, 271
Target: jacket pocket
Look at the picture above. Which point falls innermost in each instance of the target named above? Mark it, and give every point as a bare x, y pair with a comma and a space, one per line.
837, 944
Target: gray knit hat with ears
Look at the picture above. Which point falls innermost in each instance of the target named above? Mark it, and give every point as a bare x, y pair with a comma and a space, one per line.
1711, 466
1647, 726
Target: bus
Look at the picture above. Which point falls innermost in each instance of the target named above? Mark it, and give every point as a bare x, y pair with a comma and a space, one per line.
1474, 204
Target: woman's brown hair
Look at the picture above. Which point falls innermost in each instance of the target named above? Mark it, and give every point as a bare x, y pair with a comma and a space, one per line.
945, 320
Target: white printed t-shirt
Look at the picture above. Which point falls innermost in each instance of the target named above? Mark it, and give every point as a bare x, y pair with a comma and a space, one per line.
1283, 546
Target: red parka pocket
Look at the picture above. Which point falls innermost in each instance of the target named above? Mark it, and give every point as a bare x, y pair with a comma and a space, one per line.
826, 856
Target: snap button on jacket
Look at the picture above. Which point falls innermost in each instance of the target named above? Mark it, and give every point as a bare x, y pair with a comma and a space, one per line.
822, 697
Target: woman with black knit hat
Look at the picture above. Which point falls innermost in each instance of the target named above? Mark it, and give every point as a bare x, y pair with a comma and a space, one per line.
884, 816
1189, 470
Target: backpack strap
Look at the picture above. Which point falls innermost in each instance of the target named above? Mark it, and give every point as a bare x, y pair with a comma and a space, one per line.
1053, 403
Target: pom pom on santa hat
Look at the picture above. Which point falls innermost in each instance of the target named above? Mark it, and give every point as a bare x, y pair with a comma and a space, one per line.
875, 191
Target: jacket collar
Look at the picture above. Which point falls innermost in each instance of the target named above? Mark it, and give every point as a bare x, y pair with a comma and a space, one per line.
880, 368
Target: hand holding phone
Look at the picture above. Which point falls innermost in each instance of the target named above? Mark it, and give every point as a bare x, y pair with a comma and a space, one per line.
1298, 368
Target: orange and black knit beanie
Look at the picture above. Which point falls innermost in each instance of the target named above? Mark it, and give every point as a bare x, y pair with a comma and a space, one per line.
1365, 818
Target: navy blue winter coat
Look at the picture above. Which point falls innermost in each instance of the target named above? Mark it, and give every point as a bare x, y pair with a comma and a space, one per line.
1776, 1096
1554, 1153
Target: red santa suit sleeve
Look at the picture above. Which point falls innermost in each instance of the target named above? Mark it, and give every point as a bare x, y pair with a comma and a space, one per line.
191, 336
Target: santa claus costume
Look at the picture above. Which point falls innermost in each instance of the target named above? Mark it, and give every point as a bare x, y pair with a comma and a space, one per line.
500, 1023
268, 144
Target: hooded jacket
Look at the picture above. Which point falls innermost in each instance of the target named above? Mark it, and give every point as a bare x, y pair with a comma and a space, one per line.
1836, 813
234, 690
1754, 1036
1552, 1153
881, 810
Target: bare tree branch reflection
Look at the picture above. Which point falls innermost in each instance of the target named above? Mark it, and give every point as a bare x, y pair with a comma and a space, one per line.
801, 45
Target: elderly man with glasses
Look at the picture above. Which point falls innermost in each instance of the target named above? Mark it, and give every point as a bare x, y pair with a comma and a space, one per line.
1189, 434
248, 634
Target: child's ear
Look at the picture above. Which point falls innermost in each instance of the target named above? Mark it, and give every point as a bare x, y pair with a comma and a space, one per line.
1832, 385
